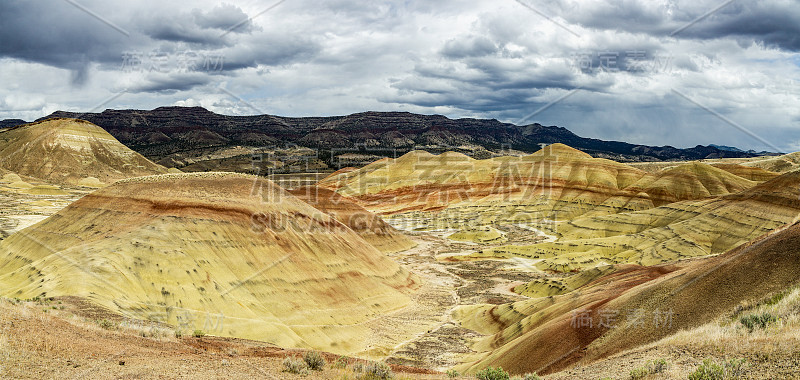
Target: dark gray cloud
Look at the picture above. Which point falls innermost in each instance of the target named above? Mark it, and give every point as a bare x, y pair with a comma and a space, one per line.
455, 57
772, 22
57, 34
169, 83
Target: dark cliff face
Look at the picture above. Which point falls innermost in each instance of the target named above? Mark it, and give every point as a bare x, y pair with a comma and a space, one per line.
166, 131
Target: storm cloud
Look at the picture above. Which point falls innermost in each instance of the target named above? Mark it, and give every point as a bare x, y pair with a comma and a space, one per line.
614, 69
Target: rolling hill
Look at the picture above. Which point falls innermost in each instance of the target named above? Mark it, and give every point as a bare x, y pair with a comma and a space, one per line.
556, 182
368, 225
69, 151
671, 232
631, 306
229, 254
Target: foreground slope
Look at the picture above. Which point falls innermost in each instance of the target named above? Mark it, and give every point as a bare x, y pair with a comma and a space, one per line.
232, 255
73, 339
631, 306
70, 151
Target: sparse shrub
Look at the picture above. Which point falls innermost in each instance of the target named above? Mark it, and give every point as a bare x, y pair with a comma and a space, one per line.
358, 367
295, 365
453, 373
734, 368
528, 376
492, 374
652, 367
377, 371
754, 321
710, 370
658, 366
639, 373
178, 333
106, 324
198, 334
341, 362
777, 297
314, 360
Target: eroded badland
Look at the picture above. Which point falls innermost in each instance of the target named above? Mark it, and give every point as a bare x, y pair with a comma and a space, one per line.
555, 263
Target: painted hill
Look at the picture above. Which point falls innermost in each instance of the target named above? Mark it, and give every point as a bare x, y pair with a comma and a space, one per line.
749, 172
368, 225
557, 182
230, 254
671, 232
68, 151
631, 306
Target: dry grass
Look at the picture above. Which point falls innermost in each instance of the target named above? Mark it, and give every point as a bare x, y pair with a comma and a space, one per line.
38, 342
729, 335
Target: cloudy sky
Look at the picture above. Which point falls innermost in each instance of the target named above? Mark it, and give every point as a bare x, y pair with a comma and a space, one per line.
645, 71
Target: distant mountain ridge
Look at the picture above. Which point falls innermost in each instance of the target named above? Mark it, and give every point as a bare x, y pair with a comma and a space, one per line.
166, 131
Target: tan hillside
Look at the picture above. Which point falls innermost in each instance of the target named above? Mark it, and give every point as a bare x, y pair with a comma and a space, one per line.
780, 164
667, 233
545, 335
692, 180
776, 164
68, 338
427, 182
371, 227
233, 255
71, 151
752, 173
555, 183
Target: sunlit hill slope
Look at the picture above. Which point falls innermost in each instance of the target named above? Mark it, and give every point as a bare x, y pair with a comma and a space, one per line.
68, 151
233, 255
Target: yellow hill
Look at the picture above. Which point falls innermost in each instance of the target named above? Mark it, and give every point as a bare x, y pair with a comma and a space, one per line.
232, 255
667, 233
555, 183
749, 172
70, 151
629, 307
692, 180
368, 225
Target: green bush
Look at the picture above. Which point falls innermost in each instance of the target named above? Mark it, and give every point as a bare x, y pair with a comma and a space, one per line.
198, 334
710, 370
295, 365
657, 366
754, 321
639, 373
377, 371
453, 373
106, 324
652, 367
314, 360
341, 362
492, 374
776, 297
